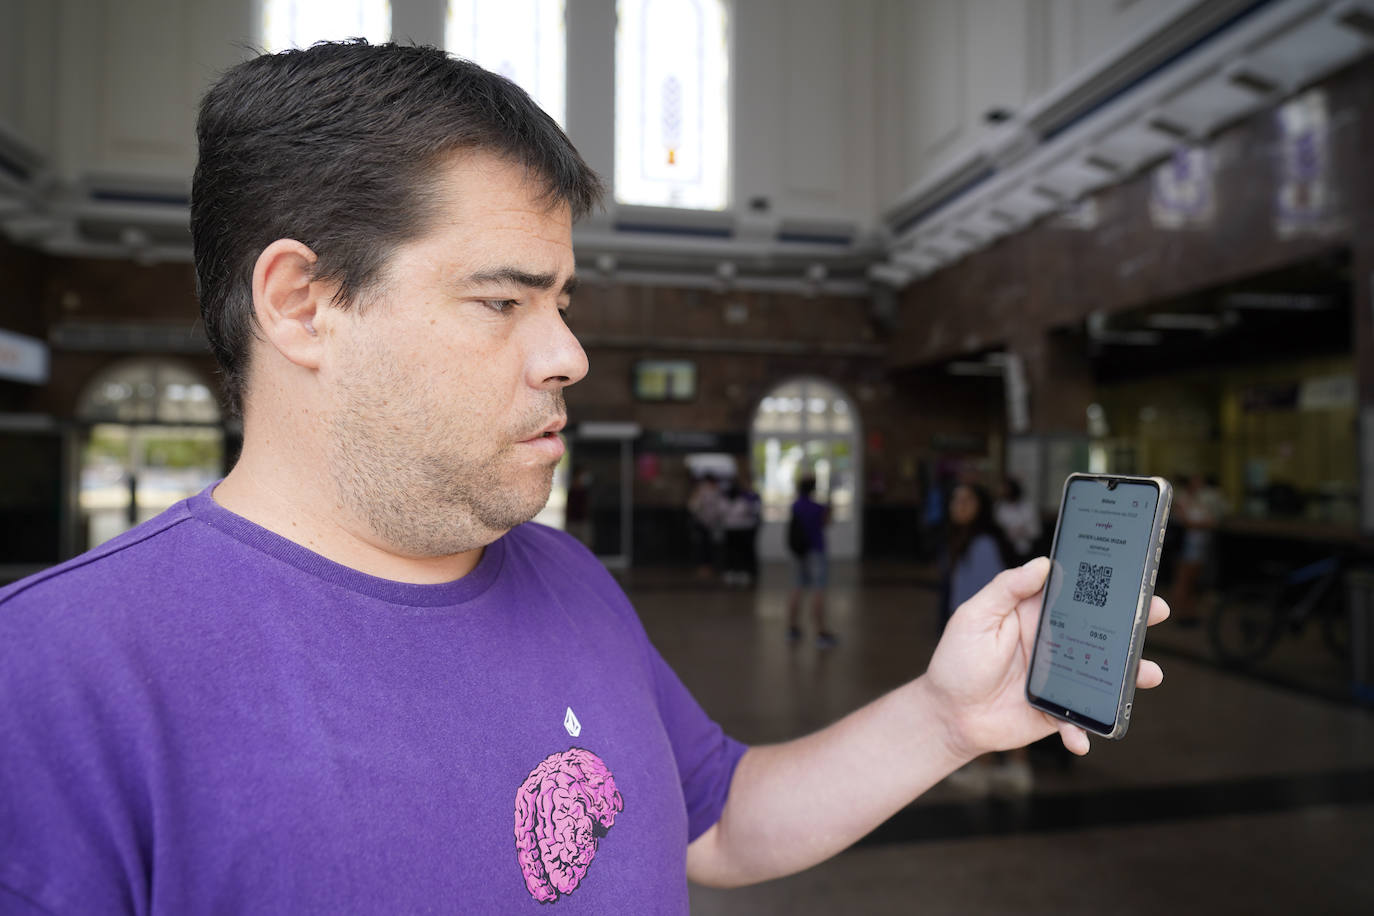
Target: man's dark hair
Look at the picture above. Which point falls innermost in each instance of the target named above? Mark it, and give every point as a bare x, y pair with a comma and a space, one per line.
337, 146
806, 485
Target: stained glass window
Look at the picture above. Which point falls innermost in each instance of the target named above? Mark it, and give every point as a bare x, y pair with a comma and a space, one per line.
523, 40
301, 23
672, 121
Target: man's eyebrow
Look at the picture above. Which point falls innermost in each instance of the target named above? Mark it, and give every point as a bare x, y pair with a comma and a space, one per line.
521, 278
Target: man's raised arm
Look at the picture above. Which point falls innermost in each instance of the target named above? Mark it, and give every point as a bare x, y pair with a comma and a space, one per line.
796, 804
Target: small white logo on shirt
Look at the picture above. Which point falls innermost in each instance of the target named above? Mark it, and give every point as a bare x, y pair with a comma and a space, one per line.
570, 722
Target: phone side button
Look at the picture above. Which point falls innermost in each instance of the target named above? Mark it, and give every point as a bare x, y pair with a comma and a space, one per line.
1153, 574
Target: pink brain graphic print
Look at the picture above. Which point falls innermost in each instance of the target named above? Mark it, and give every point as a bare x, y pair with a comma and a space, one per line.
563, 809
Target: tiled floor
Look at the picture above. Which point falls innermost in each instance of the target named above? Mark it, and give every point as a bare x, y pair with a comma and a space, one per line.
1230, 794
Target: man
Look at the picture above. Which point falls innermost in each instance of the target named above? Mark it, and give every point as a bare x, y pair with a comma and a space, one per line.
348, 678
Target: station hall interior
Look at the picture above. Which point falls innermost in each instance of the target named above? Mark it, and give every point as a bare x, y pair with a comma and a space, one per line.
895, 245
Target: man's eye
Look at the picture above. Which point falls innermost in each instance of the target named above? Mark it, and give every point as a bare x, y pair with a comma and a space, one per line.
500, 305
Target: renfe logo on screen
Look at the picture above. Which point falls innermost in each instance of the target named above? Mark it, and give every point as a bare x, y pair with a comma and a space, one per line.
1094, 587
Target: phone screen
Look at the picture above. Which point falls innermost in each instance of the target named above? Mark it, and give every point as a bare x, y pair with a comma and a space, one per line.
1093, 592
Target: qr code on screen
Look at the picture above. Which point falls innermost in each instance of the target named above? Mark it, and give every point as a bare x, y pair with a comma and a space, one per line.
1092, 584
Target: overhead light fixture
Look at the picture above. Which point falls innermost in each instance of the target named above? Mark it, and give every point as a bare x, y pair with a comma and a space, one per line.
1099, 332
133, 238
1160, 124
1258, 83
1131, 338
606, 268
891, 274
814, 278
918, 263
725, 276
1280, 302
1103, 164
1183, 321
31, 228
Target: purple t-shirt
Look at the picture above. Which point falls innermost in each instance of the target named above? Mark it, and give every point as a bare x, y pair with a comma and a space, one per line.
812, 515
200, 716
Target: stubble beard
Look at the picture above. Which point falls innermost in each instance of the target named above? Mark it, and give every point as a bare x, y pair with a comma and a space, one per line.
424, 493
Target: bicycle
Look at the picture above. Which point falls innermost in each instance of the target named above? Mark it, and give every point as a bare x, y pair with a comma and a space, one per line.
1248, 619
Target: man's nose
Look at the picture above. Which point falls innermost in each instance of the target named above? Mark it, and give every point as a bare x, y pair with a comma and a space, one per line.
558, 358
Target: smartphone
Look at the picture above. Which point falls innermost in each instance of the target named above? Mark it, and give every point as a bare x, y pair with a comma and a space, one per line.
1097, 598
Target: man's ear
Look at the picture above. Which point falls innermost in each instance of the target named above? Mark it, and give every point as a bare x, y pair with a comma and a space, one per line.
287, 303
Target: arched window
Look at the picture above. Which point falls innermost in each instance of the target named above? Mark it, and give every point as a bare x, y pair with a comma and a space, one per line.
152, 437
301, 23
148, 391
808, 426
523, 40
672, 98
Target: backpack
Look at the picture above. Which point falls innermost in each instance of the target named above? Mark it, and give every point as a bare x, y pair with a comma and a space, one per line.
797, 541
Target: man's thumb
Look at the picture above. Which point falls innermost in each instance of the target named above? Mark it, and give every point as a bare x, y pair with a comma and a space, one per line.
1010, 588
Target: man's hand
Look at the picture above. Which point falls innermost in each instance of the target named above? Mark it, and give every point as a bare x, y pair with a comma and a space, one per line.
853, 774
978, 672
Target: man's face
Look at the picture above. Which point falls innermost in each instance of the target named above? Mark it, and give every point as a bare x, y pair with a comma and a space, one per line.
447, 379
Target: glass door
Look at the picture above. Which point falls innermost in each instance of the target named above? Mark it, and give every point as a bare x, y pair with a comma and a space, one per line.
603, 460
807, 427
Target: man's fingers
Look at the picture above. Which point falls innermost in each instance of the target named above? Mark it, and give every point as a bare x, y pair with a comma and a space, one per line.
1074, 738
1159, 610
1010, 588
1149, 675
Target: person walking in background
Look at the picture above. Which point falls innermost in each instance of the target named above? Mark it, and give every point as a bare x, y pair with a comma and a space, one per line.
806, 540
706, 507
743, 509
977, 551
1019, 520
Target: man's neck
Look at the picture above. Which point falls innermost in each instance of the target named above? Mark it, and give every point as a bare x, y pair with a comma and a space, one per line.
303, 508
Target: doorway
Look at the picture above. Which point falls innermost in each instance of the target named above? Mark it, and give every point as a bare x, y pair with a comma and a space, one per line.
150, 436
603, 457
808, 426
